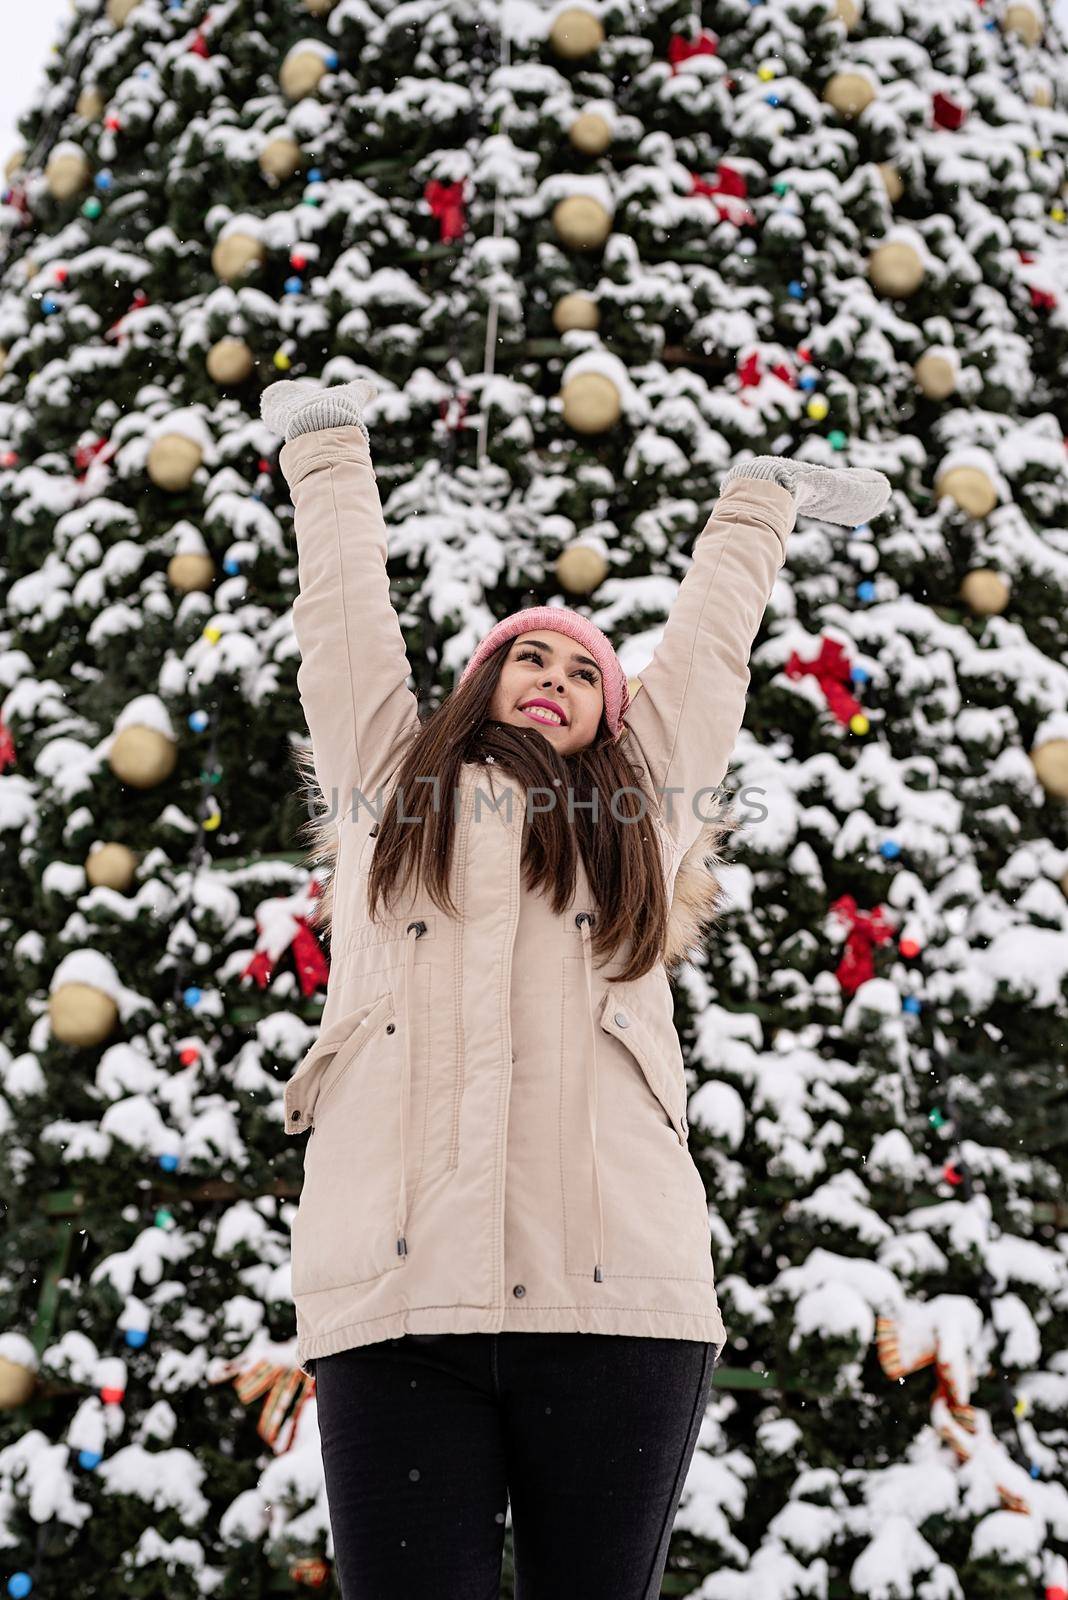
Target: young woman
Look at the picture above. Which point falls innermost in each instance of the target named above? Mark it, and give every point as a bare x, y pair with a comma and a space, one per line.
501, 1262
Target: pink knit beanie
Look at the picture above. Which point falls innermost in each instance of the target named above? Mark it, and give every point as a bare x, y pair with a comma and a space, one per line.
561, 619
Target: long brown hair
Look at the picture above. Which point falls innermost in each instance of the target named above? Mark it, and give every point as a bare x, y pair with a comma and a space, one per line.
621, 857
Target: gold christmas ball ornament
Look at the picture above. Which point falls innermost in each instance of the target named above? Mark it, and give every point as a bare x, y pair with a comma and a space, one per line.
847, 11
142, 757
3, 360
67, 172
891, 181
970, 487
235, 255
849, 93
1050, 761
301, 71
280, 157
117, 11
1025, 21
590, 133
191, 572
82, 1015
90, 103
319, 8
576, 311
172, 461
582, 222
111, 866
1042, 94
229, 361
580, 568
15, 163
936, 373
895, 268
576, 33
985, 593
17, 1383
591, 403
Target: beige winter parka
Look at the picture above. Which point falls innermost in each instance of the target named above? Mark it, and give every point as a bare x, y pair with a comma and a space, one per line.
498, 1135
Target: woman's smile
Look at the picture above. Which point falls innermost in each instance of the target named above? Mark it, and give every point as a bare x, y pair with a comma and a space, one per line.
541, 711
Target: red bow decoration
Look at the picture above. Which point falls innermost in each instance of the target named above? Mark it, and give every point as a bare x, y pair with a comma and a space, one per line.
681, 49
947, 113
116, 331
1042, 299
16, 197
287, 1391
199, 46
446, 202
452, 410
955, 1421
283, 924
750, 371
866, 929
311, 1571
7, 747
831, 669
730, 181
734, 189
86, 454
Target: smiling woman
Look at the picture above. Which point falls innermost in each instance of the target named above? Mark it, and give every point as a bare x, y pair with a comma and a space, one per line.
541, 705
496, 1108
543, 638
545, 680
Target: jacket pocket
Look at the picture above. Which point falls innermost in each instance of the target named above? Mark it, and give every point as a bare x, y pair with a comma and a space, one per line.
623, 1022
656, 1223
344, 1230
335, 1048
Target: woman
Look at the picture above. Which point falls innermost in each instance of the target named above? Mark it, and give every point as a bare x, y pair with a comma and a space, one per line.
501, 1259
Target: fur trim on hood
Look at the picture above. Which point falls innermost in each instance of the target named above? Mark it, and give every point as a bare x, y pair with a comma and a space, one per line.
696, 901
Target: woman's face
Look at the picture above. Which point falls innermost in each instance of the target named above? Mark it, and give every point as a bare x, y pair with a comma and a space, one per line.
552, 668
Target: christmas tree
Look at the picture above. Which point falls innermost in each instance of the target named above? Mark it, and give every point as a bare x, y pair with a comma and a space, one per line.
591, 256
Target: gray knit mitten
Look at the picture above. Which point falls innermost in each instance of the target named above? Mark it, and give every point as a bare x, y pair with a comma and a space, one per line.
847, 495
302, 405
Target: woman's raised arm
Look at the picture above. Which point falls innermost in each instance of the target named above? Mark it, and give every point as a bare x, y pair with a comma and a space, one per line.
687, 714
353, 672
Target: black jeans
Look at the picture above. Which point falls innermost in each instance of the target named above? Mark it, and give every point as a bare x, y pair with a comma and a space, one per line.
426, 1438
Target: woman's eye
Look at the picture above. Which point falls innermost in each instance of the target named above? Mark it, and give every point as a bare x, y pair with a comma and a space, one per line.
535, 655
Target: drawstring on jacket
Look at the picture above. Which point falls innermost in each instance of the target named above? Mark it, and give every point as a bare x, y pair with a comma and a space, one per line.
584, 921
418, 928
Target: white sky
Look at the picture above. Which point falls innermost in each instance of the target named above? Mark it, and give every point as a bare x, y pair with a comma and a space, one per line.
29, 33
